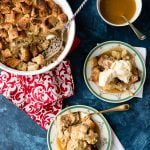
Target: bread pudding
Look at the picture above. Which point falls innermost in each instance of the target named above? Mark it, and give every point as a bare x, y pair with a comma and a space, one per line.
115, 71
24, 28
76, 132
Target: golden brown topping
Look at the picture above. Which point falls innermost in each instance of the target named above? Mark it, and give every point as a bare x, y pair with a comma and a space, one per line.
17, 8
6, 1
10, 17
25, 54
6, 53
56, 10
63, 17
22, 66
94, 61
39, 59
34, 12
24, 27
1, 18
5, 25
22, 35
52, 21
34, 50
5, 8
24, 22
42, 13
35, 29
45, 44
105, 62
95, 74
12, 62
13, 33
41, 4
29, 2
26, 9
90, 123
3, 33
44, 28
32, 66
1, 45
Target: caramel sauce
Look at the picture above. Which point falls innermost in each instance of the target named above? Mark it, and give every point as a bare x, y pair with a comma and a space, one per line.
112, 10
59, 144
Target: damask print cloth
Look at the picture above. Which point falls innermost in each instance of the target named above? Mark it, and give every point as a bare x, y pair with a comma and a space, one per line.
40, 96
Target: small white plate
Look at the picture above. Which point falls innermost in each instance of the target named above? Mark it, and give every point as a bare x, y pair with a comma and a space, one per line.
113, 97
104, 142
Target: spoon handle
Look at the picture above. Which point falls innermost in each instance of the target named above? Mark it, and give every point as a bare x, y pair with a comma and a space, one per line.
123, 107
75, 14
79, 9
139, 34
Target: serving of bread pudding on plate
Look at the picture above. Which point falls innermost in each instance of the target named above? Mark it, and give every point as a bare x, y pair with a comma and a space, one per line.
115, 71
76, 131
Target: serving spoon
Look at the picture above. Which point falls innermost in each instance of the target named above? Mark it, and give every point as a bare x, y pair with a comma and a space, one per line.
56, 42
123, 107
139, 34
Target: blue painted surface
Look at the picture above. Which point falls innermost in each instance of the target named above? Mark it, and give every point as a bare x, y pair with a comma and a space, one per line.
19, 132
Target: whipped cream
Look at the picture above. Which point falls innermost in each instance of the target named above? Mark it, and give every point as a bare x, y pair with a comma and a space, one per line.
120, 69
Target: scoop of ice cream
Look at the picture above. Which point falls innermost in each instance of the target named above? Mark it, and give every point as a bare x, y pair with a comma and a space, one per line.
106, 77
122, 70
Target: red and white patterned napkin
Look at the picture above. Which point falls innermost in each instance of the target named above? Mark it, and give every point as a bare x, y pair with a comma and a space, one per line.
40, 96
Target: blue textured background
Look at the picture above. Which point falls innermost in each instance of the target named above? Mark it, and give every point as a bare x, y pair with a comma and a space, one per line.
19, 132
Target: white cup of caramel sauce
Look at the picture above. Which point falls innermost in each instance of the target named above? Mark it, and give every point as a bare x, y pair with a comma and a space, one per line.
111, 11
